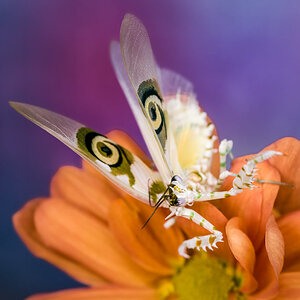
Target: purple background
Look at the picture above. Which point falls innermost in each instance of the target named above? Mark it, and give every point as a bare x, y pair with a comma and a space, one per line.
242, 56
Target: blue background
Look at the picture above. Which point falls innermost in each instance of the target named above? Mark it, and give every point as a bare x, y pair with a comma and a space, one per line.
242, 56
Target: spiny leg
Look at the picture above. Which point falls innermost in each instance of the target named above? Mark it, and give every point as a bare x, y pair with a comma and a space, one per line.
170, 222
261, 180
244, 179
206, 241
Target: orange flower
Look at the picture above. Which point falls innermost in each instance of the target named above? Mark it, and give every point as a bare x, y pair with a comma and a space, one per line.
91, 230
263, 228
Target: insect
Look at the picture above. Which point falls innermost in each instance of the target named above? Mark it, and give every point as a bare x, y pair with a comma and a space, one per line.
178, 134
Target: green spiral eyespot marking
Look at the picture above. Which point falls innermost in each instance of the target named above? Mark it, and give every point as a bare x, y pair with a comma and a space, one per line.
151, 99
99, 147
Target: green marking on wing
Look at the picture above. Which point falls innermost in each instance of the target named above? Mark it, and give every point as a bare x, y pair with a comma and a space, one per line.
81, 134
99, 147
156, 188
124, 168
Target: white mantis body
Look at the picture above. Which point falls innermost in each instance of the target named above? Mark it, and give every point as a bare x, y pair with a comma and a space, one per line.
197, 183
178, 135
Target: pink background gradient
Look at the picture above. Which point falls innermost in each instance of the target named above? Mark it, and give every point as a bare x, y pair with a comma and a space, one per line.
243, 58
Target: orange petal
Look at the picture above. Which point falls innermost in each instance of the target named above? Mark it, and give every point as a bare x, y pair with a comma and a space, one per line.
105, 293
292, 267
214, 216
274, 245
253, 206
240, 244
289, 286
269, 292
167, 239
83, 189
84, 238
249, 284
25, 227
288, 167
289, 226
126, 221
264, 273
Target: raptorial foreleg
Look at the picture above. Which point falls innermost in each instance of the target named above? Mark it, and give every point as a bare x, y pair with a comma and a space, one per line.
244, 179
201, 242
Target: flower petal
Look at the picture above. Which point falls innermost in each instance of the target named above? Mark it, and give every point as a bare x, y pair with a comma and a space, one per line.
267, 293
289, 226
288, 167
289, 286
243, 251
84, 238
240, 244
126, 221
264, 273
167, 239
83, 189
105, 293
25, 227
274, 245
249, 283
253, 206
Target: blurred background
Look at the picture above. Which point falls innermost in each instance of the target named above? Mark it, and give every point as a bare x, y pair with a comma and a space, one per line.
242, 56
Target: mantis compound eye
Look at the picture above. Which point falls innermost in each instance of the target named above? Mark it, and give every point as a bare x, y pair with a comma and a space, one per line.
176, 178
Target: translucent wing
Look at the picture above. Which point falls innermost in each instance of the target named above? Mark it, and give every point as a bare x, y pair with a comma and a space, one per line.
115, 162
173, 83
141, 69
147, 131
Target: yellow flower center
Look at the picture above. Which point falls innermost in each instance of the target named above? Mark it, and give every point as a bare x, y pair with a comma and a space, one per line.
203, 277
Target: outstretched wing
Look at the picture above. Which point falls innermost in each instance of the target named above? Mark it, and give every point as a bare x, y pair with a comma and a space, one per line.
146, 129
173, 83
140, 66
115, 162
